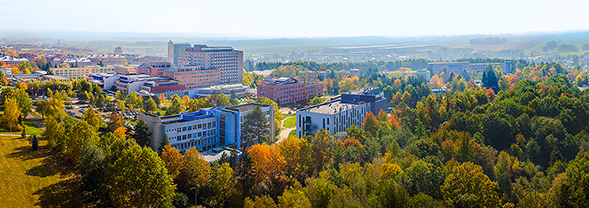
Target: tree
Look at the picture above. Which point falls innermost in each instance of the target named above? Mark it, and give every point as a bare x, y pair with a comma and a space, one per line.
468, 180
23, 101
573, 190
119, 95
79, 135
393, 195
269, 167
293, 197
139, 178
150, 105
93, 118
317, 100
370, 123
173, 160
223, 185
255, 128
223, 101
35, 143
141, 134
11, 115
176, 107
490, 79
425, 178
196, 170
92, 167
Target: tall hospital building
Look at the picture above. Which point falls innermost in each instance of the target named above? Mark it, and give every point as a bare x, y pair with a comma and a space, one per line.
226, 60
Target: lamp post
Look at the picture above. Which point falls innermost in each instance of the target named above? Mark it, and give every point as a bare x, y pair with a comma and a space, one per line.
194, 188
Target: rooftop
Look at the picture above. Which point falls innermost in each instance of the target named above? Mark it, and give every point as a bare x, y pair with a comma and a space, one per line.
331, 107
364, 91
246, 107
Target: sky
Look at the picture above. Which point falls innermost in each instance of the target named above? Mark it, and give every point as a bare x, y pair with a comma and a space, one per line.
302, 18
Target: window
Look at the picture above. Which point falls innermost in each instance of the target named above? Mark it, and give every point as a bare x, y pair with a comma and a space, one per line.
178, 138
189, 128
189, 136
179, 130
184, 128
199, 134
183, 137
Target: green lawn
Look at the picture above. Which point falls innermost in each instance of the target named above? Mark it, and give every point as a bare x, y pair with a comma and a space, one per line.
30, 128
292, 133
290, 122
36, 178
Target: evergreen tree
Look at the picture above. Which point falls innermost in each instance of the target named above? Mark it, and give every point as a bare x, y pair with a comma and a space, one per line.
35, 143
490, 79
141, 134
255, 127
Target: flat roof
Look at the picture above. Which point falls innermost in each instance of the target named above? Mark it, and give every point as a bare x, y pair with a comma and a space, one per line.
331, 107
247, 107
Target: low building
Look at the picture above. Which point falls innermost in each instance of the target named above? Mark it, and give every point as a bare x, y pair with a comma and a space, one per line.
459, 67
340, 113
205, 129
130, 69
130, 83
153, 68
288, 90
105, 80
81, 72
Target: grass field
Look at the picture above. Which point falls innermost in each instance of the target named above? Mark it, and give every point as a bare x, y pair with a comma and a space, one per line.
290, 122
36, 178
30, 129
292, 133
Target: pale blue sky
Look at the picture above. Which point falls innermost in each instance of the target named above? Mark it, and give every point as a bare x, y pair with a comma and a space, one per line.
303, 18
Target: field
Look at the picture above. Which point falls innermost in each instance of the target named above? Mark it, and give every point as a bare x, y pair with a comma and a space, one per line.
36, 178
30, 129
290, 122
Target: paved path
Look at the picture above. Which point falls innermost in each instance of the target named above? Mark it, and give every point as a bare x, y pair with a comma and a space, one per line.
36, 121
285, 132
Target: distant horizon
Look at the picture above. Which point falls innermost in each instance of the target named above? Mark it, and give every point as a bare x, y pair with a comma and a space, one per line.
300, 19
160, 36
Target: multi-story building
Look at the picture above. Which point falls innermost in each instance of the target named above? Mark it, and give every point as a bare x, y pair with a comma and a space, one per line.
231, 125
193, 76
129, 83
205, 129
289, 90
240, 91
459, 67
104, 80
184, 131
312, 75
153, 68
173, 49
81, 72
228, 61
340, 113
130, 69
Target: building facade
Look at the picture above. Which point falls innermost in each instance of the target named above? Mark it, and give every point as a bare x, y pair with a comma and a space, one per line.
205, 129
194, 77
173, 49
333, 116
228, 61
341, 112
130, 83
81, 72
459, 67
153, 68
289, 90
